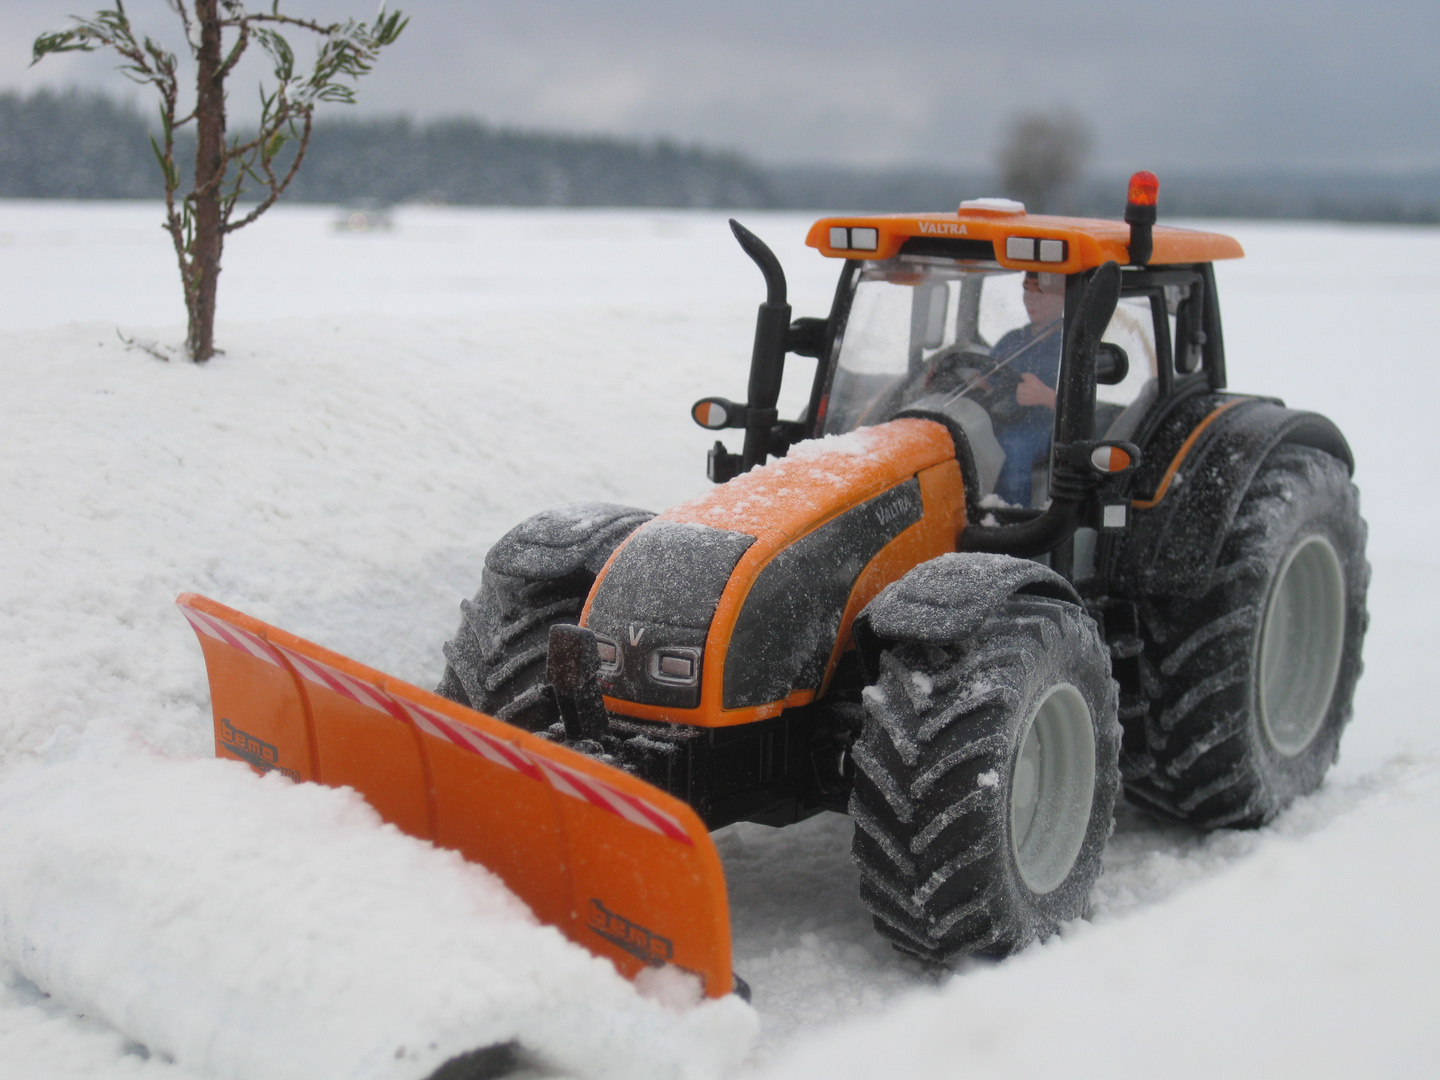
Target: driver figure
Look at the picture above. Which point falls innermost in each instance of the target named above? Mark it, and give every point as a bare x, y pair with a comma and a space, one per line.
1033, 353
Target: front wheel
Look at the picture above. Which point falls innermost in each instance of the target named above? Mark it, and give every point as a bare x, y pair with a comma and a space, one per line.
986, 781
537, 575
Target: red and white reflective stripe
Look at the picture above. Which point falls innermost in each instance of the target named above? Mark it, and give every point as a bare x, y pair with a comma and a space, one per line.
502, 752
601, 795
229, 634
467, 738
362, 693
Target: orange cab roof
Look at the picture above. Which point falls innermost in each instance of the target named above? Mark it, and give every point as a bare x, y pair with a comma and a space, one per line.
1061, 245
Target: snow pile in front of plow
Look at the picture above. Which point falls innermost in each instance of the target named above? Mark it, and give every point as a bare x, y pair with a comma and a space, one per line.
264, 930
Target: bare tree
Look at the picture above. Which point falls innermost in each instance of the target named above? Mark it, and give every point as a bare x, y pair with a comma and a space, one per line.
1041, 156
217, 33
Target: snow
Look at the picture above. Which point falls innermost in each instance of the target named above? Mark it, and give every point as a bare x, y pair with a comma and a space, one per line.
281, 930
388, 406
862, 442
1298, 955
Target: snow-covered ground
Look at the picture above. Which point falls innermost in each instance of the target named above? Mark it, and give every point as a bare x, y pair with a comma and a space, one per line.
388, 404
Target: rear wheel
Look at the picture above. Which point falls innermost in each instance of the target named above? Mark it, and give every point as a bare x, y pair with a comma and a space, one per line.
986, 782
1253, 683
536, 576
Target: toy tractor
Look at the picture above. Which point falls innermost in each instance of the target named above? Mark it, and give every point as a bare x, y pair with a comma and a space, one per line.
1021, 548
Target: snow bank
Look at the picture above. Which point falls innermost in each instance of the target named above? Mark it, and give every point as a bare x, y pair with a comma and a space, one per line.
1277, 967
263, 930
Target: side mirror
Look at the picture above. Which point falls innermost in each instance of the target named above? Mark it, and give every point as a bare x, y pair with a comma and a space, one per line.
1112, 364
714, 413
1112, 458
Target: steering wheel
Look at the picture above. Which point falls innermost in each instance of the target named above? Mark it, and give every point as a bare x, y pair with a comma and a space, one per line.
992, 388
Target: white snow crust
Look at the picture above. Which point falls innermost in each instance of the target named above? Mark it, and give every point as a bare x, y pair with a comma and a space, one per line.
390, 404
272, 929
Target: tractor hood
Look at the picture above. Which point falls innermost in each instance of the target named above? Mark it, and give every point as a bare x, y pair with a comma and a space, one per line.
736, 605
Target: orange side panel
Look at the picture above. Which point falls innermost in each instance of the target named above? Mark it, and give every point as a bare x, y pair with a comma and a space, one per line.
817, 480
943, 492
617, 865
785, 500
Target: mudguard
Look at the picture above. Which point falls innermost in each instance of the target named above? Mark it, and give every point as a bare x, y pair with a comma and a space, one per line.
563, 541
1177, 532
616, 865
948, 598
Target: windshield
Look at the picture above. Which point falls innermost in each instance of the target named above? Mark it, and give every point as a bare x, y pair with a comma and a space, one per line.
976, 342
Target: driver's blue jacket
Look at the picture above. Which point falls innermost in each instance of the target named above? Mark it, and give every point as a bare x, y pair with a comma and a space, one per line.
1034, 350
1024, 434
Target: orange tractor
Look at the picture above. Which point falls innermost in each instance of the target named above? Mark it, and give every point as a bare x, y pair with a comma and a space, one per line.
1022, 549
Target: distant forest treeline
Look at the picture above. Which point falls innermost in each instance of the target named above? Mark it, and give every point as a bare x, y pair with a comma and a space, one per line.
86, 146
76, 145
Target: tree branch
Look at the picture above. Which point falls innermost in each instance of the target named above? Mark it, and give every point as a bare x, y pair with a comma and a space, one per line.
276, 190
238, 50
290, 20
178, 6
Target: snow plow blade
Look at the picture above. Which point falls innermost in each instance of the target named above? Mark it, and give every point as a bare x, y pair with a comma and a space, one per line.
615, 864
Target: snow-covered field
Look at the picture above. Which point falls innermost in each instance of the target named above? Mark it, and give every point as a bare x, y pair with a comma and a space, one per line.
388, 404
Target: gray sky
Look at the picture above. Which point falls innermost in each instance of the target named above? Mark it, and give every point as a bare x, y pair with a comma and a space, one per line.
1163, 84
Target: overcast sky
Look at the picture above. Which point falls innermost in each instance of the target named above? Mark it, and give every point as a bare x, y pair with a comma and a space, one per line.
1162, 84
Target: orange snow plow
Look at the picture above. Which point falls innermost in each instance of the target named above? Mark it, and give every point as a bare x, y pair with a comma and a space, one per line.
618, 866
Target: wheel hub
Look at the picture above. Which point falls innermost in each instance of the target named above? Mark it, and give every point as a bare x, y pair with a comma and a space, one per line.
1052, 786
1300, 645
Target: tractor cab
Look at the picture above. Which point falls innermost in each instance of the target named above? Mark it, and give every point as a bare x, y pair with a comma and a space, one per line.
976, 319
974, 341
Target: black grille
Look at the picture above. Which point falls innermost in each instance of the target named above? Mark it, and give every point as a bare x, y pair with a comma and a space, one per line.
972, 250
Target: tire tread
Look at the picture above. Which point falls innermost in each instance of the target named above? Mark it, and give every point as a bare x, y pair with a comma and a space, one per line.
1205, 761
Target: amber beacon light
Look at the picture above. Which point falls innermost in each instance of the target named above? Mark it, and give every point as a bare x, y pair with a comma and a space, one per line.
1140, 214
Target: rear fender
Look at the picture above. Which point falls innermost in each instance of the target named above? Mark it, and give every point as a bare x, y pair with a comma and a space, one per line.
1176, 533
616, 865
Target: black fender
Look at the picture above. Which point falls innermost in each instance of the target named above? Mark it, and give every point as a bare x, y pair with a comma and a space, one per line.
565, 540
948, 598
1174, 542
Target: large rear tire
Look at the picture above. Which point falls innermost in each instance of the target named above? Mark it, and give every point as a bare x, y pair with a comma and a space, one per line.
536, 576
986, 781
1252, 684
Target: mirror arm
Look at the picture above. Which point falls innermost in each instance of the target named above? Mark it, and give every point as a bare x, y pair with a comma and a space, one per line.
807, 336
